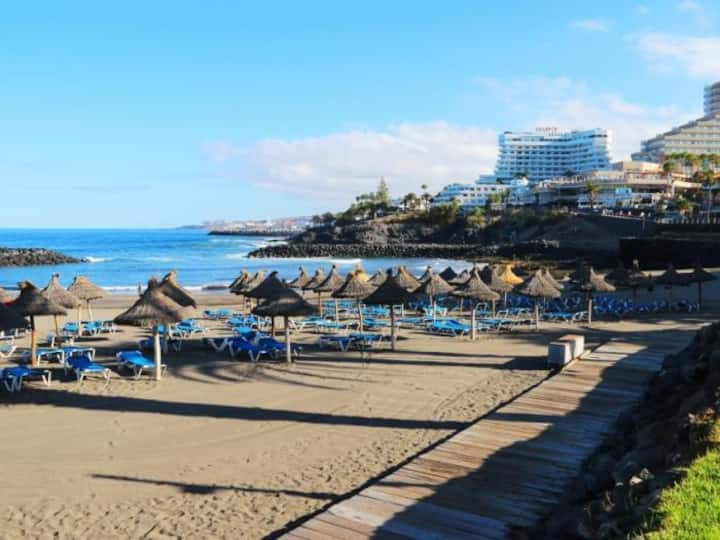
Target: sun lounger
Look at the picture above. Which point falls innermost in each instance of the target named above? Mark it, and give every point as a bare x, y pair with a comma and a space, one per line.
341, 342
137, 363
218, 314
13, 377
218, 344
239, 344
274, 346
449, 327
44, 354
7, 346
82, 366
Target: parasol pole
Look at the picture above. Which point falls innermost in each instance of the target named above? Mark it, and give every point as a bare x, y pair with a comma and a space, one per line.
288, 350
158, 358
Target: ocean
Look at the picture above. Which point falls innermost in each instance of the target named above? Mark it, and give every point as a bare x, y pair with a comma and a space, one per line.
119, 259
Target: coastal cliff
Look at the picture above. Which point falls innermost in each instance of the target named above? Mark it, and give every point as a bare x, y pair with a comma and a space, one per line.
33, 257
559, 238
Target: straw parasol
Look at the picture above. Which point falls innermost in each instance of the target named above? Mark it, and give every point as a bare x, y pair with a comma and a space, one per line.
426, 275
238, 281
406, 280
267, 288
672, 278
330, 284
354, 287
590, 283
170, 287
508, 276
477, 290
551, 279
629, 278
284, 303
390, 292
154, 307
432, 287
618, 275
699, 275
86, 291
10, 319
31, 303
379, 277
448, 274
301, 280
4, 296
60, 296
461, 278
581, 269
537, 287
361, 273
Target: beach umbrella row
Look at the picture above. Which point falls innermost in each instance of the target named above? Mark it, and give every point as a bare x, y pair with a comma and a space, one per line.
476, 289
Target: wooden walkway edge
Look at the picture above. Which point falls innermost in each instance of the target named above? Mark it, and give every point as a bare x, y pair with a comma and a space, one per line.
509, 468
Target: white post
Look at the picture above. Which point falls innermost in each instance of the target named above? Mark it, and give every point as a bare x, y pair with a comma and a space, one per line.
473, 330
158, 358
288, 349
589, 310
90, 311
392, 327
537, 315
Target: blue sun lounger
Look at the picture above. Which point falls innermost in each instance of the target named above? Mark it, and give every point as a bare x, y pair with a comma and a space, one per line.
13, 377
82, 366
239, 344
137, 363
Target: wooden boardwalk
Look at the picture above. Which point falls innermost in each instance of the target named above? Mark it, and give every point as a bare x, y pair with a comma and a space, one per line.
509, 468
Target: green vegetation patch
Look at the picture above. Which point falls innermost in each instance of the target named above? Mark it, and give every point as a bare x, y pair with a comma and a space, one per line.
691, 509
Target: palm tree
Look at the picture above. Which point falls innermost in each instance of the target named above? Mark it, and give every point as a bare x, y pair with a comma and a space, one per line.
425, 196
683, 205
669, 166
591, 190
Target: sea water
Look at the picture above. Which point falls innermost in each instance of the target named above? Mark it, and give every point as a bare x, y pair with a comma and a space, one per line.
120, 259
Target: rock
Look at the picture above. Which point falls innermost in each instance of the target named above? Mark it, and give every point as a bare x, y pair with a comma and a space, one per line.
599, 476
33, 257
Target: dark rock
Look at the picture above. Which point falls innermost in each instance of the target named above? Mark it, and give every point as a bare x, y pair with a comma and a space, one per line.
33, 257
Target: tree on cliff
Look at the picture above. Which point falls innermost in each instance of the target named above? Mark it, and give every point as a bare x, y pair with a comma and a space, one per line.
425, 197
592, 190
382, 195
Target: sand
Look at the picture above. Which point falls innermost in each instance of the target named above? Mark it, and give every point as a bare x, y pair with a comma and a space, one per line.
223, 448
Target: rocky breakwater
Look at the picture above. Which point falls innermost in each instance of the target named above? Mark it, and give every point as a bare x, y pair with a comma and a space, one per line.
615, 493
34, 257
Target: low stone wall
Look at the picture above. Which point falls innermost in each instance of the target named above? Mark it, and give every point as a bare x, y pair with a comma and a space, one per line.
33, 257
655, 253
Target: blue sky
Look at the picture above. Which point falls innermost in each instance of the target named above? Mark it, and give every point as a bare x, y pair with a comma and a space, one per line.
146, 114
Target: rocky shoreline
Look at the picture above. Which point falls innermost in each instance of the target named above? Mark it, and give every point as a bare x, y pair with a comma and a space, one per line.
532, 250
34, 257
254, 232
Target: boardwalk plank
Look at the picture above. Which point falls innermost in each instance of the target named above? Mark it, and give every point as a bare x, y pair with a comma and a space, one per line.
508, 468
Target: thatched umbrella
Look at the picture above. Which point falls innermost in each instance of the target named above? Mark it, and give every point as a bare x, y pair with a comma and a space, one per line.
509, 276
86, 291
269, 286
475, 289
31, 303
461, 278
671, 278
581, 269
316, 280
433, 287
551, 279
406, 280
301, 280
426, 275
170, 287
154, 307
330, 284
360, 272
537, 287
249, 284
390, 292
448, 274
379, 277
60, 296
238, 281
592, 283
10, 319
354, 287
629, 278
699, 275
4, 296
285, 303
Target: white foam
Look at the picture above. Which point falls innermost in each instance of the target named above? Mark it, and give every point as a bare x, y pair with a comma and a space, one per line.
98, 259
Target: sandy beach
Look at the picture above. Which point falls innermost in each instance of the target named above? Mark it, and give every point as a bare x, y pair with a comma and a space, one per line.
223, 448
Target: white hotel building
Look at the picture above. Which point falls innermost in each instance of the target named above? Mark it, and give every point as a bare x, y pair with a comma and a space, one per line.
548, 153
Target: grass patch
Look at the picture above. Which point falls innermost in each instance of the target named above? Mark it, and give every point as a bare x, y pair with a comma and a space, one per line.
691, 509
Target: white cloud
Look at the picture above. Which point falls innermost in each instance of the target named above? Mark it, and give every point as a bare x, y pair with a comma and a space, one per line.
642, 9
340, 165
569, 104
689, 5
337, 166
697, 56
592, 25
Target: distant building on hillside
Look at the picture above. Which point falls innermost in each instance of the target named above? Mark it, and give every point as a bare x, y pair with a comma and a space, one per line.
700, 136
469, 196
548, 153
